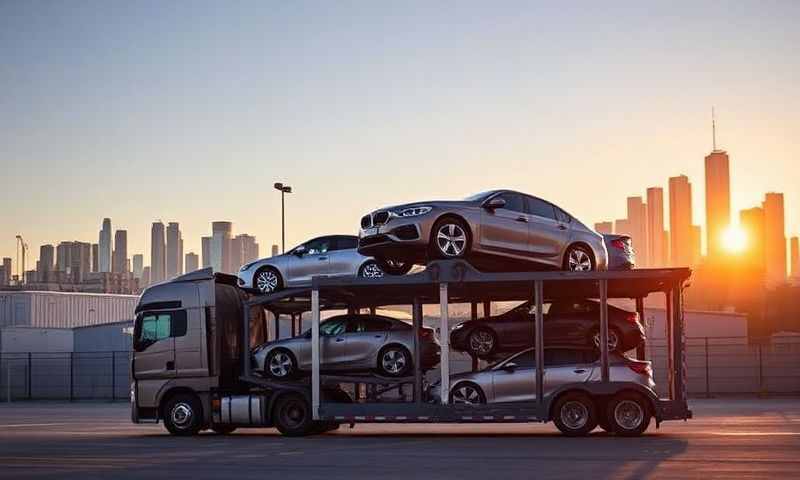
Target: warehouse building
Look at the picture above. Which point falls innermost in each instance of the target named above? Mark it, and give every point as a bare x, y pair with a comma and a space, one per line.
64, 309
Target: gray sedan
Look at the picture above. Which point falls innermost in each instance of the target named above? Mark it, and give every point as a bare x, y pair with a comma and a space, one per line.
498, 227
351, 343
331, 255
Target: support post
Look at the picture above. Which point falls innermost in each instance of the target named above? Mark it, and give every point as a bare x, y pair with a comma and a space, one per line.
487, 309
708, 381
641, 349
679, 343
417, 320
444, 340
604, 330
372, 310
277, 326
315, 357
30, 377
668, 325
113, 375
71, 376
538, 325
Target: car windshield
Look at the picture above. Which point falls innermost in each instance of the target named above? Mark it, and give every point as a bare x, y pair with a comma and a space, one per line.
479, 197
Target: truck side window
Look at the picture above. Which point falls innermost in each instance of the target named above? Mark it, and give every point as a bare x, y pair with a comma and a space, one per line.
154, 326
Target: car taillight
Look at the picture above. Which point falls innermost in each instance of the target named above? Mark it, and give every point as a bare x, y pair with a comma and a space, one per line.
642, 368
632, 317
426, 334
618, 243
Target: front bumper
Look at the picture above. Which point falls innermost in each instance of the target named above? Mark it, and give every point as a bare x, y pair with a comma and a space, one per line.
403, 239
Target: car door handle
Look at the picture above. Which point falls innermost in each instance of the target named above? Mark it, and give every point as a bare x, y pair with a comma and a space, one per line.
339, 340
170, 365
562, 227
322, 259
378, 336
579, 370
522, 219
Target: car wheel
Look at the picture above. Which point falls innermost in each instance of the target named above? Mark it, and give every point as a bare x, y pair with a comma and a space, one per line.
450, 239
183, 415
280, 364
628, 414
614, 339
394, 361
482, 342
394, 267
292, 416
370, 269
578, 259
467, 393
267, 280
223, 429
574, 414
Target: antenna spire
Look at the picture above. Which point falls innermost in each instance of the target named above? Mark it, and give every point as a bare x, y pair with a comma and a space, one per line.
713, 129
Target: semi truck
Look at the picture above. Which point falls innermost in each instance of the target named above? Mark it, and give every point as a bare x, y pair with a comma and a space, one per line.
192, 365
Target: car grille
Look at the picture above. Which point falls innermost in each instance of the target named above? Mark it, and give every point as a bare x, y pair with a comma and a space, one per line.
366, 221
380, 218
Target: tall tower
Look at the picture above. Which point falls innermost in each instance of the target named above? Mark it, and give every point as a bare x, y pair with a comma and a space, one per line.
138, 265
637, 223
221, 246
774, 238
680, 221
104, 248
718, 195
655, 227
158, 261
174, 250
794, 257
120, 257
751, 221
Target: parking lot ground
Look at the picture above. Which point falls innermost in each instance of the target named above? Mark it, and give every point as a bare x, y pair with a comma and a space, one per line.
728, 438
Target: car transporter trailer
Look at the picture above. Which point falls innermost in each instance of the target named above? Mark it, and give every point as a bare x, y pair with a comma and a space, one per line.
304, 406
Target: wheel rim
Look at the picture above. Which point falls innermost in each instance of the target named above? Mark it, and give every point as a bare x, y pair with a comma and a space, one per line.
613, 340
579, 261
266, 281
466, 395
280, 365
394, 361
451, 240
293, 414
574, 415
371, 270
182, 415
481, 342
628, 414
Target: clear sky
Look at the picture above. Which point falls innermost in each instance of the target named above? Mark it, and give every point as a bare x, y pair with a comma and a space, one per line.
189, 111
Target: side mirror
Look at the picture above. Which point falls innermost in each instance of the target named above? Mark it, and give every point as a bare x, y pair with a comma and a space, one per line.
494, 203
510, 367
300, 251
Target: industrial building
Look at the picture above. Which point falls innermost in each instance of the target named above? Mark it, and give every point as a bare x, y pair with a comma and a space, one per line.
63, 309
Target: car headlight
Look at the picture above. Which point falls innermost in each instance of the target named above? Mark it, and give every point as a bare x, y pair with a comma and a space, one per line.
411, 212
460, 325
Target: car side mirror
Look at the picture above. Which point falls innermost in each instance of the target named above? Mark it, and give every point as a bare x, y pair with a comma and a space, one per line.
300, 251
494, 203
510, 366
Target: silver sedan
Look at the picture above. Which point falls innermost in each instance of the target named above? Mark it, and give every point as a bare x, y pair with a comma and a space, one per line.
351, 343
327, 256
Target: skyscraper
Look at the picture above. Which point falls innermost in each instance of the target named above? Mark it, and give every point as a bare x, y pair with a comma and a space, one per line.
174, 250
794, 257
774, 238
95, 259
604, 228
205, 251
655, 227
718, 200
622, 227
751, 221
637, 224
680, 221
221, 246
46, 260
158, 260
6, 280
104, 249
74, 259
274, 250
244, 249
119, 258
145, 277
192, 262
697, 243
138, 265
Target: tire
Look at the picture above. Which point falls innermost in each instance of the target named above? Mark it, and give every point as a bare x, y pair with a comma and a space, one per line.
183, 414
280, 364
594, 339
574, 414
223, 429
450, 239
578, 258
394, 361
292, 416
482, 343
370, 269
467, 393
628, 414
267, 280
394, 267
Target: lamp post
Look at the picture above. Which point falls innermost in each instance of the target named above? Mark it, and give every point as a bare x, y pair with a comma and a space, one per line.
284, 189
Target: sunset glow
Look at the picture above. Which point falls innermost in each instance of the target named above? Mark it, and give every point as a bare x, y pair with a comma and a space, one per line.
734, 239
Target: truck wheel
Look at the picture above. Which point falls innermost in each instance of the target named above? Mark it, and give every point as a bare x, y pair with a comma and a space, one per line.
183, 415
628, 414
574, 414
292, 416
223, 429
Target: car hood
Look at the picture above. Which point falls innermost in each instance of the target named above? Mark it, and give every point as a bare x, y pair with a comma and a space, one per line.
431, 203
282, 341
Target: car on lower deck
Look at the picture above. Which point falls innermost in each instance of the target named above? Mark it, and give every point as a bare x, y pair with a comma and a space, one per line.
501, 227
350, 343
331, 255
565, 322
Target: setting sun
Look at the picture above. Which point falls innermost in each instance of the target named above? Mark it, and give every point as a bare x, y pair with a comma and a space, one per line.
734, 239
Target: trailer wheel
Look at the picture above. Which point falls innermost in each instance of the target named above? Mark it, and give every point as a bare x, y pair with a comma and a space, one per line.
628, 414
183, 414
292, 416
223, 429
574, 414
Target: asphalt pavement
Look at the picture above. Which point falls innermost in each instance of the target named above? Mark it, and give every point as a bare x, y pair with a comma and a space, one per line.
728, 438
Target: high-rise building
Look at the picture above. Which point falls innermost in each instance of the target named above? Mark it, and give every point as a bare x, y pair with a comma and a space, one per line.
637, 224
7, 270
680, 221
603, 228
697, 245
192, 262
138, 265
104, 249
95, 259
47, 256
718, 201
174, 250
655, 227
622, 227
119, 258
205, 251
145, 277
244, 249
221, 246
158, 260
74, 259
751, 221
274, 250
774, 238
794, 257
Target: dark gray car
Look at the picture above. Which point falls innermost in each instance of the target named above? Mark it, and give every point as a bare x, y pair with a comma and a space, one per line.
496, 226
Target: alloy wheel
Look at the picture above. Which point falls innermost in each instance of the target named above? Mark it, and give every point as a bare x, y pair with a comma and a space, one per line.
394, 361
628, 414
579, 261
481, 342
266, 281
574, 415
280, 365
466, 395
372, 270
451, 240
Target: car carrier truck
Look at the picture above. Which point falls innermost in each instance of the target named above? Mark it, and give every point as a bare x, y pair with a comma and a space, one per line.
191, 365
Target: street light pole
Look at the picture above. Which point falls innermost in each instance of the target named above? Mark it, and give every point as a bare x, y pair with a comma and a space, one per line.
284, 189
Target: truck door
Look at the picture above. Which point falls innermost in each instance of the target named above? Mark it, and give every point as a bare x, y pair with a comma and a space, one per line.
154, 346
